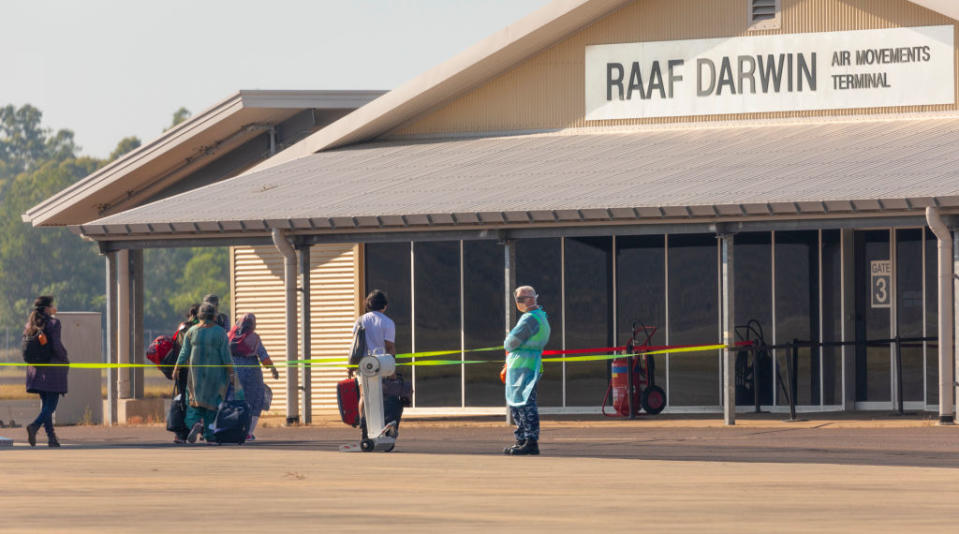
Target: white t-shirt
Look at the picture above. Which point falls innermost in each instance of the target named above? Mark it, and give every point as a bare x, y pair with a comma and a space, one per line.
379, 329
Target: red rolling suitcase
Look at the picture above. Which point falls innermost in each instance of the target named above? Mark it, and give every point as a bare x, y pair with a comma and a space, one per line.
348, 398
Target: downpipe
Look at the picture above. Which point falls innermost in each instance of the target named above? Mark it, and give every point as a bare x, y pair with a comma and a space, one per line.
282, 244
946, 298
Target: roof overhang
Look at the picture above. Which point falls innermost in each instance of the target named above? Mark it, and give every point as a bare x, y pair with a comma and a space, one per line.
711, 174
182, 150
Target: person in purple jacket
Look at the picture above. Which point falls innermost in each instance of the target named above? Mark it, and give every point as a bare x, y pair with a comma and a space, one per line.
47, 381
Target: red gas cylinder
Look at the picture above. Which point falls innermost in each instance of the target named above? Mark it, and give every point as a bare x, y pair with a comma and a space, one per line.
619, 385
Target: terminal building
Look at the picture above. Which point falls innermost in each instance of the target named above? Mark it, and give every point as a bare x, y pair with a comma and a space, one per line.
683, 164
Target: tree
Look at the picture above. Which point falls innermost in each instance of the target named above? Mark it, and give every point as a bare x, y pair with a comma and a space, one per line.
45, 261
208, 271
35, 164
125, 145
25, 144
179, 116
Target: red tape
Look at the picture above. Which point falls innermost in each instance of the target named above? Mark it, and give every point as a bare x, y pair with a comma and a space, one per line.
640, 348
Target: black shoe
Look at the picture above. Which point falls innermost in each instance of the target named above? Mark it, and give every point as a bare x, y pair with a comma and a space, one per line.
515, 447
32, 434
52, 439
195, 431
530, 448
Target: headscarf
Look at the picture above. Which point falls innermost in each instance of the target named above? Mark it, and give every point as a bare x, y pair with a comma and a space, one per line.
243, 339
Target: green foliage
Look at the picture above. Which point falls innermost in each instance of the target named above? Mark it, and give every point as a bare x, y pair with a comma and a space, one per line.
125, 145
179, 277
35, 164
179, 116
25, 144
53, 261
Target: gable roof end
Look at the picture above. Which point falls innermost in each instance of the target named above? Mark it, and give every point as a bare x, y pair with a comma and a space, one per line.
488, 58
478, 63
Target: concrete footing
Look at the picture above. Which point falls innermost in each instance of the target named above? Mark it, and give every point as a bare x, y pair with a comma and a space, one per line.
133, 411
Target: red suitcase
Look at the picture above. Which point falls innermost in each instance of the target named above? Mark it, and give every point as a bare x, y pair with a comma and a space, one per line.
348, 398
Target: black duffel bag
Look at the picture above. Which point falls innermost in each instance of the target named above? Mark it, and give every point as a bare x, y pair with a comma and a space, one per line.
233, 420
176, 417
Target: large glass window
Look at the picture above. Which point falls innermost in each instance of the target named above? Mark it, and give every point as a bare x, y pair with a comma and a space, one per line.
832, 316
872, 322
589, 321
484, 320
753, 308
539, 264
909, 309
436, 274
932, 318
388, 269
693, 319
797, 308
641, 292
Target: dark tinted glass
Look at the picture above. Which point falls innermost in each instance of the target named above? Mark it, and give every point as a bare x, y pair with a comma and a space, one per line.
797, 307
872, 323
589, 324
388, 269
538, 264
754, 311
436, 273
693, 319
484, 320
909, 309
832, 316
641, 292
932, 317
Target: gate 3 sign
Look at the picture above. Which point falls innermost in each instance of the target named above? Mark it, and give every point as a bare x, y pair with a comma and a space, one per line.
833, 70
880, 283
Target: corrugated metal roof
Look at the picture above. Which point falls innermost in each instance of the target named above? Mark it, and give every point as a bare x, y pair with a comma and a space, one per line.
707, 172
183, 149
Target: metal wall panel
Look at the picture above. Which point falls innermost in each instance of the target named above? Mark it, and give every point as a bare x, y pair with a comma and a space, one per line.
546, 91
258, 288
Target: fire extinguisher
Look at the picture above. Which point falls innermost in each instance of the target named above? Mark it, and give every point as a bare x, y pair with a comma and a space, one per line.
619, 388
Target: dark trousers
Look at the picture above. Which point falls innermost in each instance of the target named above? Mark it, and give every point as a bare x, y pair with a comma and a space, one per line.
48, 405
526, 418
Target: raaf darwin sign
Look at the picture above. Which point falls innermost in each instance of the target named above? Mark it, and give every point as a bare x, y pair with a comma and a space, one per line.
834, 70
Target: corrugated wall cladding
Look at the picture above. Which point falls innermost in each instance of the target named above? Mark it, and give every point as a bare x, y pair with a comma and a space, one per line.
546, 91
334, 298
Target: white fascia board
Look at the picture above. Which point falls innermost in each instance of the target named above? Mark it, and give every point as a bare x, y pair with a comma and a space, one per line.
128, 162
327, 99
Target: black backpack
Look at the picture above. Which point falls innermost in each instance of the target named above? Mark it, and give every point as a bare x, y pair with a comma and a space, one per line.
358, 350
35, 352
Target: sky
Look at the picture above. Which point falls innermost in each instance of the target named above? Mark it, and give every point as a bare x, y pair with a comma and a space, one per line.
108, 69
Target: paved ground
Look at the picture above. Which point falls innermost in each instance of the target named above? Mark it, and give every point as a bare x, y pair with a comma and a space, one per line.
678, 474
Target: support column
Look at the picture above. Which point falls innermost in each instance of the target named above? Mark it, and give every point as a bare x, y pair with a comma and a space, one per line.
138, 355
110, 321
729, 330
947, 264
289, 279
509, 279
124, 389
306, 327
